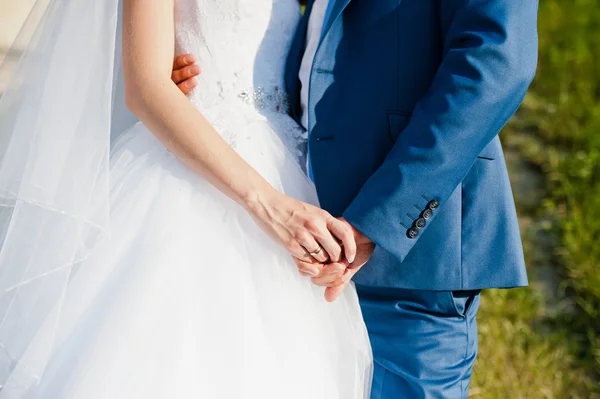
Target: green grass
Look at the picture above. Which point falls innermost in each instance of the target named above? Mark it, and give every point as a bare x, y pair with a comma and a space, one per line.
544, 342
521, 356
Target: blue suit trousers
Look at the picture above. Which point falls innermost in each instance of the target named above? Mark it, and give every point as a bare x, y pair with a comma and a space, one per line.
424, 342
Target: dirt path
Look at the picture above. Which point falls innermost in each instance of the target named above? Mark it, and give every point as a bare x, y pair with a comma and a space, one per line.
13, 14
536, 225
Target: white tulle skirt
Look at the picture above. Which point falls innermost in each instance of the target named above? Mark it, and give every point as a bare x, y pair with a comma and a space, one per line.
190, 299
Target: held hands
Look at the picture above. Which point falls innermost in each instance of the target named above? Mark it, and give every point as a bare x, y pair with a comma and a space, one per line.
310, 234
336, 276
328, 250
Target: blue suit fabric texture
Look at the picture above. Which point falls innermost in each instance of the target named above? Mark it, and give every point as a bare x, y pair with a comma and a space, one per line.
406, 101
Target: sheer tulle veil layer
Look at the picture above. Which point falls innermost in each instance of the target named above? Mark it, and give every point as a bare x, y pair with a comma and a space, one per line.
55, 124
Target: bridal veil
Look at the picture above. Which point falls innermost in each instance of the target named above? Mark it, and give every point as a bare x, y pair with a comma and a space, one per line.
55, 124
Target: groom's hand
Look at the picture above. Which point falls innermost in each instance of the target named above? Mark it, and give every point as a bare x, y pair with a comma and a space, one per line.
364, 251
185, 71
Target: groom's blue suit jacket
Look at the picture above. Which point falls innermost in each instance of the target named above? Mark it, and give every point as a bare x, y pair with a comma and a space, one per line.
406, 100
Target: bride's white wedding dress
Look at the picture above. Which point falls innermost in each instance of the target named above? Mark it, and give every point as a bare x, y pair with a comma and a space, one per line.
189, 298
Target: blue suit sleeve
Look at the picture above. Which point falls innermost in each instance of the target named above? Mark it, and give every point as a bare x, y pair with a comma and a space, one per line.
489, 60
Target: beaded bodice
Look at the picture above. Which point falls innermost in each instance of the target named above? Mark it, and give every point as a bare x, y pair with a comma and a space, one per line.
241, 47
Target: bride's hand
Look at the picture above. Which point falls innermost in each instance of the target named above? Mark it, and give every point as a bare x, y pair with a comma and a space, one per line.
309, 233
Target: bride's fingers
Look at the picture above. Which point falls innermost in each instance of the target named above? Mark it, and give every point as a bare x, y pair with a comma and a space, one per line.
334, 268
311, 245
343, 231
329, 274
308, 269
330, 245
328, 280
297, 251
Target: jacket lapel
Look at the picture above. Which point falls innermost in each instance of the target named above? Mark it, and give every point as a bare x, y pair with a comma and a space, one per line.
297, 51
293, 63
336, 10
324, 63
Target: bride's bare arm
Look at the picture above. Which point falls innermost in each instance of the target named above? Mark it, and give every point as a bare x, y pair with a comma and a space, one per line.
148, 48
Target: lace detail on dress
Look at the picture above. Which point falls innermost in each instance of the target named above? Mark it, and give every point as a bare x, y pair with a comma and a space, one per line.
242, 46
275, 100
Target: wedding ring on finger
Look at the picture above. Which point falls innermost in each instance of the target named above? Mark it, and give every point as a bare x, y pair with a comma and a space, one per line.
316, 251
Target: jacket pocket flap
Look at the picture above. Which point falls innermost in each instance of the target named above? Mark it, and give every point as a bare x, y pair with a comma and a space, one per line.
490, 151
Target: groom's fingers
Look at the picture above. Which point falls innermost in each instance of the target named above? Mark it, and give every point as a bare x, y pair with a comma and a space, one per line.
183, 60
181, 75
335, 290
187, 86
184, 72
333, 293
